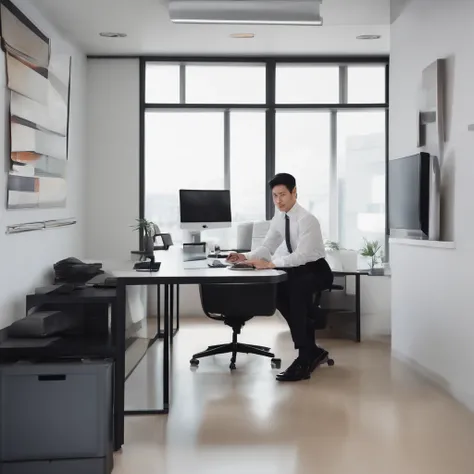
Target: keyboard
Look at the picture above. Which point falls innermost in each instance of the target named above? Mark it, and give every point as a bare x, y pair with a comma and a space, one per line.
242, 266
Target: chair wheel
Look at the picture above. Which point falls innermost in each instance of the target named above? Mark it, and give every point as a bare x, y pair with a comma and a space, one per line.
232, 366
276, 363
330, 362
194, 362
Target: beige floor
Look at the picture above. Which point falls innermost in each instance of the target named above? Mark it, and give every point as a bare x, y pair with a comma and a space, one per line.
366, 415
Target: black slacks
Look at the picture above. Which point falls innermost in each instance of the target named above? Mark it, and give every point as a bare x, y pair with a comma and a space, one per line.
295, 299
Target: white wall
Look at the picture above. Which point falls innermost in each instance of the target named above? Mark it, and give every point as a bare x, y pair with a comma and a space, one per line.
27, 259
432, 321
113, 112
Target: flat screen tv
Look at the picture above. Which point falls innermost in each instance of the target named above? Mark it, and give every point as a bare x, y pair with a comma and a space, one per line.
414, 197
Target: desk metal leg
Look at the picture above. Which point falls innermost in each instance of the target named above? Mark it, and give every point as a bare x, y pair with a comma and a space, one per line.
177, 307
172, 333
166, 359
173, 330
158, 310
118, 331
166, 349
358, 329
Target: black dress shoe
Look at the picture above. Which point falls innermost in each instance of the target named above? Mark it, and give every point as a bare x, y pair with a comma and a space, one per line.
298, 370
320, 357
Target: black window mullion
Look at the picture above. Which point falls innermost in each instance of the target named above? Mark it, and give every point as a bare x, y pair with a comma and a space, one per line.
343, 84
333, 181
227, 149
270, 136
182, 83
141, 147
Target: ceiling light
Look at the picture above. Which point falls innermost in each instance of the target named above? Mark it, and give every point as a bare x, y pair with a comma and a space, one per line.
110, 34
247, 12
242, 35
368, 37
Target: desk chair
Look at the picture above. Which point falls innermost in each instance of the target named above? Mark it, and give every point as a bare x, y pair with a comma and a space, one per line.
166, 240
234, 305
320, 315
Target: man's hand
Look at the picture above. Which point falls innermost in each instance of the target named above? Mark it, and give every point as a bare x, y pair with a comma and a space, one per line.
236, 257
261, 264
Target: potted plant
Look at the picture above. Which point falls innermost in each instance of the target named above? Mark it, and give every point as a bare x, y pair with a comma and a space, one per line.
371, 250
147, 232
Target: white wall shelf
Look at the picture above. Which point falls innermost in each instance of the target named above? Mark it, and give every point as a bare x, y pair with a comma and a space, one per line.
43, 225
438, 244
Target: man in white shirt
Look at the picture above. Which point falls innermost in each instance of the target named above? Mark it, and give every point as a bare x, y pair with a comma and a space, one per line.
295, 244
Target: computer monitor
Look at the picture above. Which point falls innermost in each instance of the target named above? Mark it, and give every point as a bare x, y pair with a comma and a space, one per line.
204, 209
414, 197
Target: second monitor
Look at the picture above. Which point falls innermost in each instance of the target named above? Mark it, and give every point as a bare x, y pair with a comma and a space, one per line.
204, 209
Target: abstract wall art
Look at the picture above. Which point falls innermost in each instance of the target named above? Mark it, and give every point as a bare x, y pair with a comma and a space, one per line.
431, 115
38, 83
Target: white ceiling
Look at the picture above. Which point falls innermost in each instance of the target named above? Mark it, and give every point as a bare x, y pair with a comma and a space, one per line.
150, 31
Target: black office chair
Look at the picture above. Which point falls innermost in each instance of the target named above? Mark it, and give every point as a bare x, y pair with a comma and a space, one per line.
319, 315
234, 304
166, 240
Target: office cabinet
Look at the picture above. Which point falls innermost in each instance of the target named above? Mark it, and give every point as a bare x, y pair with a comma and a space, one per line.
56, 417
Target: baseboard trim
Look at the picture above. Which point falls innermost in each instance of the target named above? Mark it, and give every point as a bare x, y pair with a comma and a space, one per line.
434, 378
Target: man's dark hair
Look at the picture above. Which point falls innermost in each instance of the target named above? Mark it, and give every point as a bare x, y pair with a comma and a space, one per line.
284, 179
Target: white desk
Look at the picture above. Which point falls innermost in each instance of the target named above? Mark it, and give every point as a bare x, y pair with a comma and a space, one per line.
173, 271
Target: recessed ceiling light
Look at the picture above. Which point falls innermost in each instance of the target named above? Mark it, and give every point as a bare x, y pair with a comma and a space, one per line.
368, 37
242, 35
111, 34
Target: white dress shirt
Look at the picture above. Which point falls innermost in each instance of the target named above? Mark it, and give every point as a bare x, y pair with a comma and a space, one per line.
305, 237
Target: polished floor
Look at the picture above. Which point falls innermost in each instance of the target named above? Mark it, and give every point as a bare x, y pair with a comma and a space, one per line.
366, 415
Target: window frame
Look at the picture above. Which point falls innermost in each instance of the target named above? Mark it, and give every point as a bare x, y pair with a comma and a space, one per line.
271, 107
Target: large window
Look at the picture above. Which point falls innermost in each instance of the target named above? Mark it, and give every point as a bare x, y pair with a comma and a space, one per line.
225, 84
247, 165
361, 177
183, 150
232, 125
303, 143
307, 84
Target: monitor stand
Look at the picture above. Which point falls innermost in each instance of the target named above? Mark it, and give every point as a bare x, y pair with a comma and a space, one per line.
192, 236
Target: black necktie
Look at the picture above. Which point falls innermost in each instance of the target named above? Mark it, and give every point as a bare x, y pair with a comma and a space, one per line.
287, 234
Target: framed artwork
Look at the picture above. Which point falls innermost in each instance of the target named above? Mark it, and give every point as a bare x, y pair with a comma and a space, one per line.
431, 115
38, 83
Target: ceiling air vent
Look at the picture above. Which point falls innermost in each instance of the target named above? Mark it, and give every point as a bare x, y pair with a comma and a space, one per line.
247, 12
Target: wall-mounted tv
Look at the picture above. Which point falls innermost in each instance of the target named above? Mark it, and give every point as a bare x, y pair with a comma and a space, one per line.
414, 197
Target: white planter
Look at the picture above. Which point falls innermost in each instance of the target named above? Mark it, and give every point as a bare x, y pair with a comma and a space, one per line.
350, 262
349, 259
334, 260
344, 261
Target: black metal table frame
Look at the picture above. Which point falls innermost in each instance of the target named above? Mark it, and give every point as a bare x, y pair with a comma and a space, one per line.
173, 329
118, 329
357, 276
